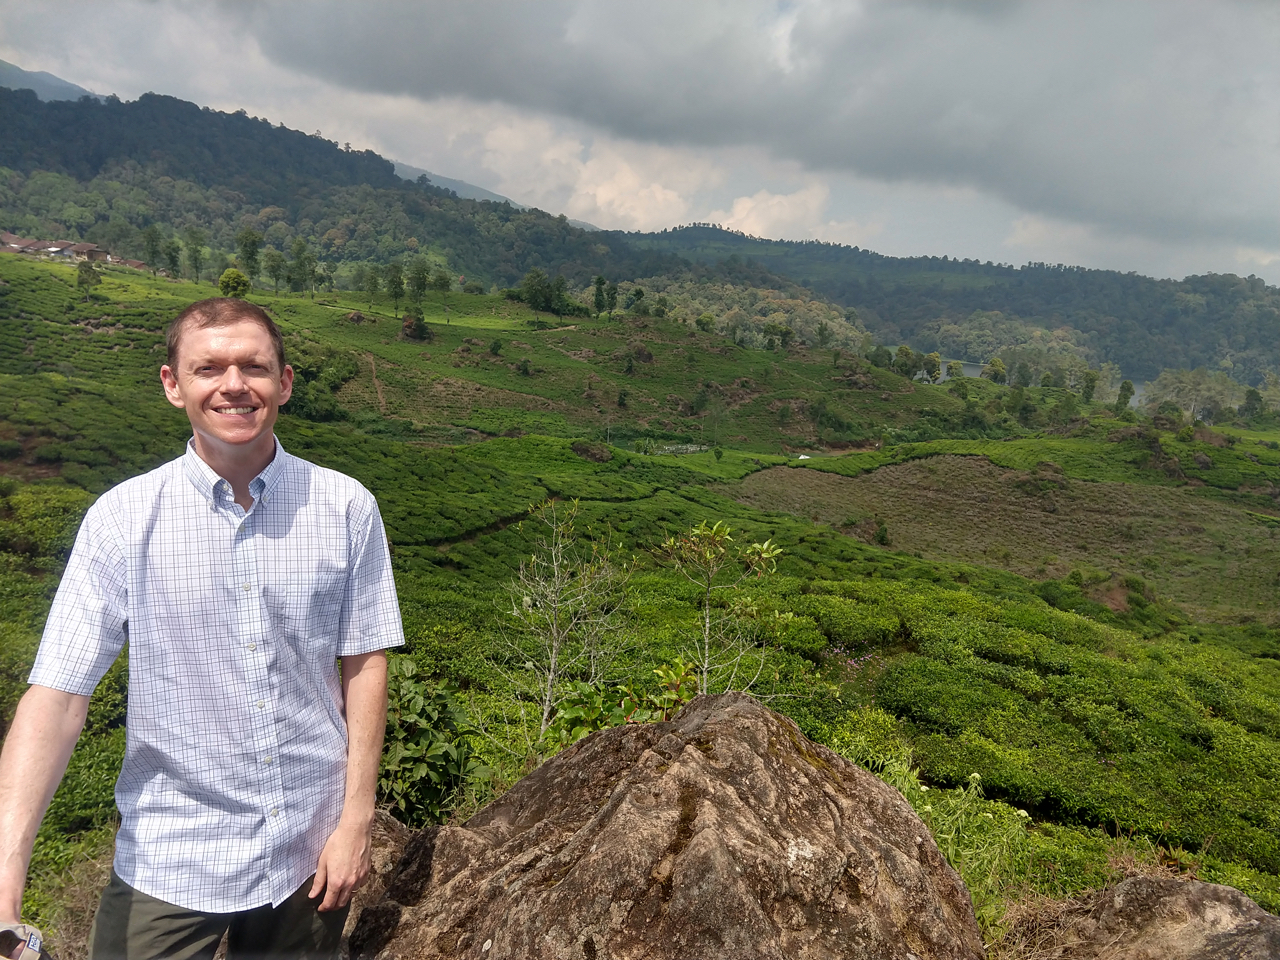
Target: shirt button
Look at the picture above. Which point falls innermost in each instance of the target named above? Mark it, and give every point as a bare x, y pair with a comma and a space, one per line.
253, 646
275, 811
248, 587
267, 760
261, 704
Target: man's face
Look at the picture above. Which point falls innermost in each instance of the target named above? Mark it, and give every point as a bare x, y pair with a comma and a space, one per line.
229, 382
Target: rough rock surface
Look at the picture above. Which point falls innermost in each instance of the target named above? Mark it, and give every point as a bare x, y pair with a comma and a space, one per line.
389, 839
1165, 919
724, 833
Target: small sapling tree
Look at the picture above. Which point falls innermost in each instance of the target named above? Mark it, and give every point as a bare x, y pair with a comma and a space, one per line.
560, 628
723, 656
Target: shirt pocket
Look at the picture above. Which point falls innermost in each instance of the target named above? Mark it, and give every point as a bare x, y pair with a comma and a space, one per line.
306, 606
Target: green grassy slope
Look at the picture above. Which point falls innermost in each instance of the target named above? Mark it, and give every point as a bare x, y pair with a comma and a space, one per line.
1078, 691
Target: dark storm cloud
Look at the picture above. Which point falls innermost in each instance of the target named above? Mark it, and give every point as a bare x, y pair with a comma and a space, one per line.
1159, 119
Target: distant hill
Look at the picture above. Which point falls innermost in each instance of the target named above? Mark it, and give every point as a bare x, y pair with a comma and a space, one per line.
118, 166
104, 170
1142, 324
45, 85
469, 191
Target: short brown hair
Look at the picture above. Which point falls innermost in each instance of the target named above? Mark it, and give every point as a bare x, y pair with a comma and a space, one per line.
221, 312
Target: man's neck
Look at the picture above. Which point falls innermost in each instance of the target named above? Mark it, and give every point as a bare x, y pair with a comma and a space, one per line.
238, 465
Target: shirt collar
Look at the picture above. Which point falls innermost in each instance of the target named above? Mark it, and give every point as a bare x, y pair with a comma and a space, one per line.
215, 489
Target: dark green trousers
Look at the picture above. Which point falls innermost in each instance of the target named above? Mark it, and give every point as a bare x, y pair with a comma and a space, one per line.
130, 925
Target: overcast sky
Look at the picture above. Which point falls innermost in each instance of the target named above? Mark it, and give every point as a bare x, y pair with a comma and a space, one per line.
1130, 135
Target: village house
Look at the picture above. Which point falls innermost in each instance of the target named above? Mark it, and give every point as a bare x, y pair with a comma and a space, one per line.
63, 249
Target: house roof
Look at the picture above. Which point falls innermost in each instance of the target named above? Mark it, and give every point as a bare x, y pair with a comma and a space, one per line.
83, 247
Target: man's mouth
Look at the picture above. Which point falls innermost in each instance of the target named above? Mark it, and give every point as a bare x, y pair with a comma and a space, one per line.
233, 411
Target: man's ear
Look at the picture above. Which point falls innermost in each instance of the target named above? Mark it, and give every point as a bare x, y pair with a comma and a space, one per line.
286, 384
169, 381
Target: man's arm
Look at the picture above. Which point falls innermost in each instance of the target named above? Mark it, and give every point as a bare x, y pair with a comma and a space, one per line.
43, 734
344, 862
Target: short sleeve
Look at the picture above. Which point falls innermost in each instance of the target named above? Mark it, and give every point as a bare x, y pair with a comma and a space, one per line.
85, 631
370, 609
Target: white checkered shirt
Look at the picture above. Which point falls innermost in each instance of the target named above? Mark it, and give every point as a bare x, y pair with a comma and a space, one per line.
236, 745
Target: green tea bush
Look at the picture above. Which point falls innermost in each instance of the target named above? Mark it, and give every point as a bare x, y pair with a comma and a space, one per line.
427, 757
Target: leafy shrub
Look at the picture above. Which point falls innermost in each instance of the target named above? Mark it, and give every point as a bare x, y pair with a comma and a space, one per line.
428, 754
588, 709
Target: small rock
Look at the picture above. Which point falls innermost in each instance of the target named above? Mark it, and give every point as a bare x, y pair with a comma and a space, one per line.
1145, 918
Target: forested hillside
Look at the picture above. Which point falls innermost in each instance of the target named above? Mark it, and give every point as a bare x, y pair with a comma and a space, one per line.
111, 171
104, 171
974, 311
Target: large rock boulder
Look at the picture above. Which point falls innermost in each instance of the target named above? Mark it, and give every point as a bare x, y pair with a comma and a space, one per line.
1146, 918
723, 833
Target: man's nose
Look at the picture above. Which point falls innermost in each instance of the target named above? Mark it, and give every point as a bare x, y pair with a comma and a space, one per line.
233, 380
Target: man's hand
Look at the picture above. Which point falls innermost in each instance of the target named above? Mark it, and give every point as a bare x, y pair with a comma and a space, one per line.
344, 865
345, 861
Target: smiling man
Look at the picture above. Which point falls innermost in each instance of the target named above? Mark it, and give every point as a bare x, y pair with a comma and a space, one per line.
241, 577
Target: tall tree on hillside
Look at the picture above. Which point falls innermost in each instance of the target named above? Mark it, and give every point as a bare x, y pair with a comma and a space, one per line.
1089, 384
995, 371
393, 279
196, 239
274, 266
87, 277
172, 252
535, 288
152, 244
907, 362
932, 366
302, 270
1123, 398
372, 282
442, 283
559, 295
598, 299
249, 246
419, 279
611, 298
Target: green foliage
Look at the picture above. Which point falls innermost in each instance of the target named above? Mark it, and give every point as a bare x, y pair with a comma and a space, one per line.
87, 276
233, 283
428, 755
975, 310
587, 708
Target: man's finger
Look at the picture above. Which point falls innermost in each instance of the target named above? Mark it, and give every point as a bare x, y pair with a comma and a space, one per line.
333, 895
319, 883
